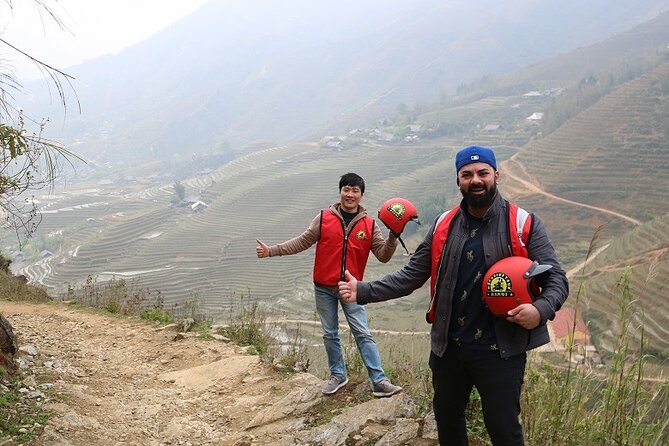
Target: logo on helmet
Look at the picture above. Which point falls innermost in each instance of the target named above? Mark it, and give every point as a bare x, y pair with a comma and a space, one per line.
397, 209
362, 235
499, 285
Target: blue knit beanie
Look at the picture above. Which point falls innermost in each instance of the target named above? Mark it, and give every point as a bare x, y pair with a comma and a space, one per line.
475, 154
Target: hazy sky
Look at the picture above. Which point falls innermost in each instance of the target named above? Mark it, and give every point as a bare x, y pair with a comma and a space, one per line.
95, 28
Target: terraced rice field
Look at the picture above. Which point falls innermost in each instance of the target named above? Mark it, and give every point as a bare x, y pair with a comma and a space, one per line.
210, 255
614, 154
646, 250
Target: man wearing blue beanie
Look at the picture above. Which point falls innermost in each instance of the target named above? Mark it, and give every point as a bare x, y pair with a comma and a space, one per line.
469, 346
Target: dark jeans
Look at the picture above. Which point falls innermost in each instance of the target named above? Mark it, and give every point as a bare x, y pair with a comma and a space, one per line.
498, 381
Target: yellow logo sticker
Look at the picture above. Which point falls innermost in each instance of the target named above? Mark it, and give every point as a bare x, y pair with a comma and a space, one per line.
397, 209
362, 235
499, 285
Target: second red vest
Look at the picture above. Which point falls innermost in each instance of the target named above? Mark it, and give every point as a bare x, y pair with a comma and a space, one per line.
520, 225
337, 250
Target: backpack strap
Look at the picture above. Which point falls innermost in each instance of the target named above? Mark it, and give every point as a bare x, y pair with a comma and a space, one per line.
520, 228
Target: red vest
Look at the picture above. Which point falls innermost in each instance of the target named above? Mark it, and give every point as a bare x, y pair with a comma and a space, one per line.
337, 251
520, 224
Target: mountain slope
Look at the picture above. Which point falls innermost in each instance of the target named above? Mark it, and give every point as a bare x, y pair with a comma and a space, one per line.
263, 70
646, 251
614, 154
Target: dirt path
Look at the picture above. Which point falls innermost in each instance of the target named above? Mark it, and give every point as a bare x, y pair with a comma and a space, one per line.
123, 381
578, 268
532, 187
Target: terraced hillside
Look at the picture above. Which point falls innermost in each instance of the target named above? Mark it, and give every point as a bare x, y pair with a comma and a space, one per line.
615, 154
609, 166
271, 194
210, 255
646, 250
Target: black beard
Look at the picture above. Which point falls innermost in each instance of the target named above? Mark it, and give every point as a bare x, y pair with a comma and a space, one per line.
480, 201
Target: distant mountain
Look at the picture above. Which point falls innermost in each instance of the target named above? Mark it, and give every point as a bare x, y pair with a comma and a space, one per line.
624, 51
262, 70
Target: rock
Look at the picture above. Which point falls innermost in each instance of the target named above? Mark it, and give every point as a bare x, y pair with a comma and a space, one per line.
404, 430
307, 394
8, 344
246, 440
430, 427
221, 338
186, 324
381, 410
35, 394
29, 350
168, 327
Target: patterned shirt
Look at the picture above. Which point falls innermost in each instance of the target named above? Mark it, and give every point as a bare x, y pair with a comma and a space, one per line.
471, 323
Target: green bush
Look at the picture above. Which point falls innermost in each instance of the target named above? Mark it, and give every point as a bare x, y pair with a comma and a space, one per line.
248, 328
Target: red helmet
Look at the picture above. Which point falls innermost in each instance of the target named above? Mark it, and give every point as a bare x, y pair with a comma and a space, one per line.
396, 213
510, 282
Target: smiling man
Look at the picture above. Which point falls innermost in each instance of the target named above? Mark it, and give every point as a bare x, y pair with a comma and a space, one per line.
469, 346
344, 236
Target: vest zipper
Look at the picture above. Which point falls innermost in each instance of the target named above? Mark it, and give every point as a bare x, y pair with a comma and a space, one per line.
343, 252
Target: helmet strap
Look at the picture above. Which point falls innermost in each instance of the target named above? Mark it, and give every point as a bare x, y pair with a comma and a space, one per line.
403, 245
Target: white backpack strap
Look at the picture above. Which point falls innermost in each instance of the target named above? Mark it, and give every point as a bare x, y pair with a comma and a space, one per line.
521, 218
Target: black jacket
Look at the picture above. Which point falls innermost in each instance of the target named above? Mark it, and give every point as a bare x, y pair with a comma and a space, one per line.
512, 339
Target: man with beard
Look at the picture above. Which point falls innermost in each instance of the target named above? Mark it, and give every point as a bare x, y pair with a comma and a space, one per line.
469, 346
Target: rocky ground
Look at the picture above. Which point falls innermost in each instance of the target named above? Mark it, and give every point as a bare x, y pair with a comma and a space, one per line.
122, 381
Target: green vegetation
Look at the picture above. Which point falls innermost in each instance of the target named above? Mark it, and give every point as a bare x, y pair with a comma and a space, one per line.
15, 288
118, 297
179, 192
22, 419
576, 405
248, 329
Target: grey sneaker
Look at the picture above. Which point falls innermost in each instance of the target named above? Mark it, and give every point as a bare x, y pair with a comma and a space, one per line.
334, 383
385, 388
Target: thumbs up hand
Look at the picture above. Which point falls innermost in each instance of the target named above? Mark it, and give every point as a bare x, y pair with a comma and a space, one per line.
262, 250
348, 288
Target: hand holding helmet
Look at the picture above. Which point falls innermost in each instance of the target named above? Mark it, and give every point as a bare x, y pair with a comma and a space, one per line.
396, 213
510, 283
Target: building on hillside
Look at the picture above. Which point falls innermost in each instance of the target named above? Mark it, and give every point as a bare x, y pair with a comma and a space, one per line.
492, 128
332, 142
568, 330
198, 206
46, 254
189, 201
532, 94
536, 116
380, 135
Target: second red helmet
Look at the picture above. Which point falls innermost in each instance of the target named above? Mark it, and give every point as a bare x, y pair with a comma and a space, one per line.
511, 282
396, 213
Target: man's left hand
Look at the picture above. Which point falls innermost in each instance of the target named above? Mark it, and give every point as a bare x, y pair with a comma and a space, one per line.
525, 315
